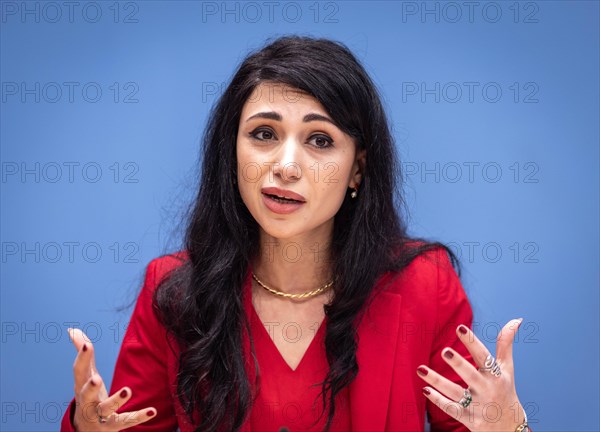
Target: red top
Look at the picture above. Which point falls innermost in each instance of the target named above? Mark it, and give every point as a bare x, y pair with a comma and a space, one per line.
410, 320
286, 395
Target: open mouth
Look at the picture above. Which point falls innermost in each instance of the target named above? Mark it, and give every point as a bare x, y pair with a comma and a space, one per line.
283, 200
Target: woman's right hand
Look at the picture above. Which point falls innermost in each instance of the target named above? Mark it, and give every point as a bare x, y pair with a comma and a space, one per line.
93, 404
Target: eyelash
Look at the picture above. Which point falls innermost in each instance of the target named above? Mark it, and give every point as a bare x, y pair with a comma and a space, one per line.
255, 132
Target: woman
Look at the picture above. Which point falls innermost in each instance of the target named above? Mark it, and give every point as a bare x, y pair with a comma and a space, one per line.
299, 302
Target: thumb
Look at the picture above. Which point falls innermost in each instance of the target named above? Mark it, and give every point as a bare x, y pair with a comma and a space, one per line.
504, 343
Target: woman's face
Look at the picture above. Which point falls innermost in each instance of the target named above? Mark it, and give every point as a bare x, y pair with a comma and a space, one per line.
286, 140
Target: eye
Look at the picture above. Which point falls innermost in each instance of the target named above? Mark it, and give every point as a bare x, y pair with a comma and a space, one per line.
267, 134
322, 141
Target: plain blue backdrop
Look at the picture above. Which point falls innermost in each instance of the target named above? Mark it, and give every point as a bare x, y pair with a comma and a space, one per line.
495, 109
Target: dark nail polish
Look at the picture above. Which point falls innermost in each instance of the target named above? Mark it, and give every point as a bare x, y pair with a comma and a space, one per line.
426, 391
123, 394
462, 329
84, 347
422, 371
448, 354
150, 412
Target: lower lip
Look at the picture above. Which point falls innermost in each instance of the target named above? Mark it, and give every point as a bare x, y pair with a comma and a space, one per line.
281, 208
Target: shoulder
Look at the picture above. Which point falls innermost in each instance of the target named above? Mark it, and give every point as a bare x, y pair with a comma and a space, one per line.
144, 318
161, 266
431, 290
423, 276
157, 270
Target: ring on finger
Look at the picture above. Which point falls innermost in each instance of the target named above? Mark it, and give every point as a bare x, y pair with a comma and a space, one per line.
101, 418
492, 365
466, 400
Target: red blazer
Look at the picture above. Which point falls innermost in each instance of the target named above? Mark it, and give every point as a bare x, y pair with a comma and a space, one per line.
408, 324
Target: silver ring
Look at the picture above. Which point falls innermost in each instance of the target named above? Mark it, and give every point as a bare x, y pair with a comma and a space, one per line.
466, 400
490, 364
101, 419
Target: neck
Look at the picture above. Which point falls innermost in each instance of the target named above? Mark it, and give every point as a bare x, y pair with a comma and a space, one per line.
293, 266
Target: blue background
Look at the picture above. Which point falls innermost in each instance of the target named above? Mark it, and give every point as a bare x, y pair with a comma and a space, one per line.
524, 219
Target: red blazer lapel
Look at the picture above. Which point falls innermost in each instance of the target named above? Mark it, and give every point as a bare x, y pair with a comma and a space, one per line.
370, 391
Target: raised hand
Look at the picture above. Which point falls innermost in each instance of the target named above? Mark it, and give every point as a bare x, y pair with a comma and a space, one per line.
490, 403
95, 410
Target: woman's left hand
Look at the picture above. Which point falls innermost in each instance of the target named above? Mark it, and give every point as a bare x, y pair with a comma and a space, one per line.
494, 405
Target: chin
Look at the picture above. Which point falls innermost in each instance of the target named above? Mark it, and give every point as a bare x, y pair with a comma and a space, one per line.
282, 234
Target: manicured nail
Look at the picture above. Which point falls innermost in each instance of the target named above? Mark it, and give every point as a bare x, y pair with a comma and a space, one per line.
150, 413
426, 391
448, 354
84, 347
462, 329
123, 394
422, 371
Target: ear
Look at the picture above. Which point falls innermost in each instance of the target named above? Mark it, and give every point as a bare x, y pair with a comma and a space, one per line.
358, 168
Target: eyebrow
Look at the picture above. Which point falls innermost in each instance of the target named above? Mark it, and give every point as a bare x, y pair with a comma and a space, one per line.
272, 115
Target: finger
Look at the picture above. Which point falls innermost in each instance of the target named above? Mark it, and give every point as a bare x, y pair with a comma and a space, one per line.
477, 349
463, 368
82, 367
91, 390
88, 399
114, 402
441, 383
504, 343
453, 409
79, 339
129, 419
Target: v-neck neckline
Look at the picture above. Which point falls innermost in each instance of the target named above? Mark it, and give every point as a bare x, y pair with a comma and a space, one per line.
265, 334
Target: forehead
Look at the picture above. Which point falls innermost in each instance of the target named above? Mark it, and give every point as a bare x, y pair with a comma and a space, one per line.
280, 97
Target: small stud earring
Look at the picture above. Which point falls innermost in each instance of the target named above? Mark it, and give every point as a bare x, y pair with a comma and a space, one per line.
354, 193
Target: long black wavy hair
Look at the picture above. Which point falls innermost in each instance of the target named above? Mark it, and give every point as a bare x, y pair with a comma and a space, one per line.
200, 302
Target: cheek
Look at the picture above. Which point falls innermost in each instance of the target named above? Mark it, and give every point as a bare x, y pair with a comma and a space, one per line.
335, 174
332, 182
248, 195
248, 175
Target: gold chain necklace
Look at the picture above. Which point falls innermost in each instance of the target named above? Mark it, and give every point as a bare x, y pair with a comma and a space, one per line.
294, 296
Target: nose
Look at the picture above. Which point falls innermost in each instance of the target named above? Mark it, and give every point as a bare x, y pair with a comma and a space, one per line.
287, 162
